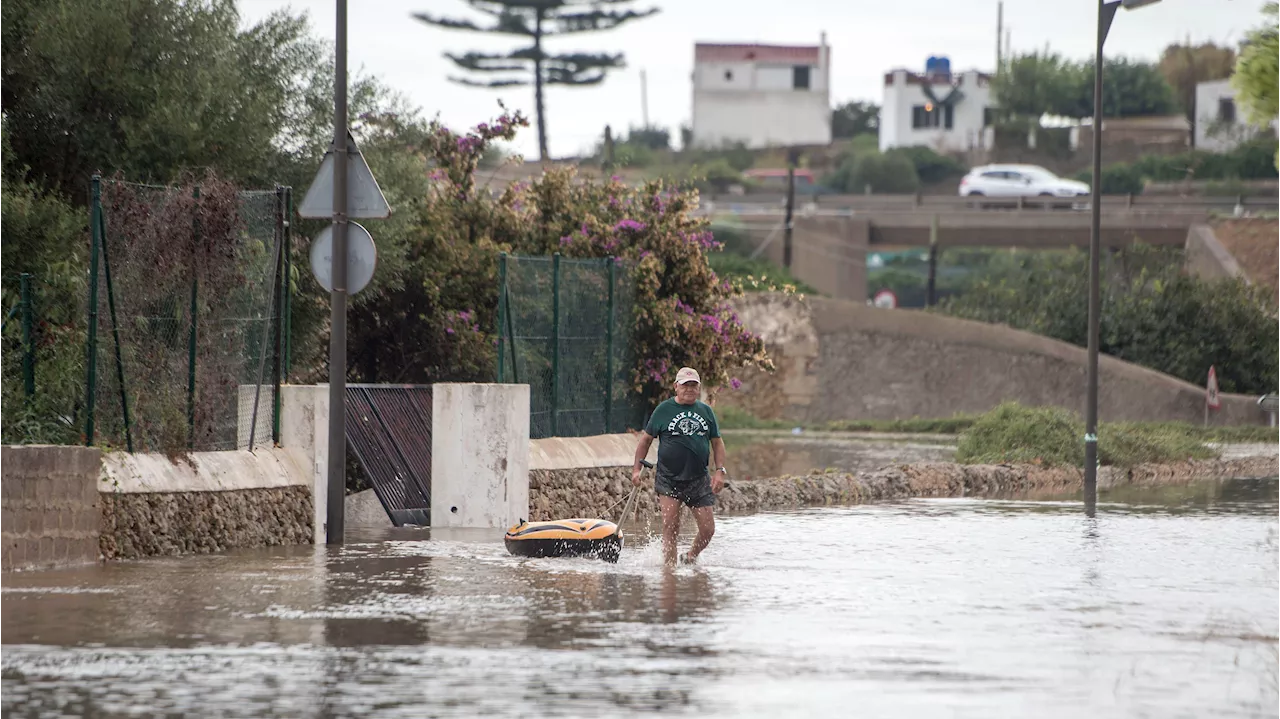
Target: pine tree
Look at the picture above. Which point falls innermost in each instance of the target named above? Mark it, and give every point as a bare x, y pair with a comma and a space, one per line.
536, 20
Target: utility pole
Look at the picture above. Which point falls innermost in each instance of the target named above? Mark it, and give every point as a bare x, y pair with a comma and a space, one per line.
791, 204
644, 98
335, 514
999, 36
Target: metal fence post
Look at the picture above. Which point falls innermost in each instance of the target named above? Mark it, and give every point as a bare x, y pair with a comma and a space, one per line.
28, 349
91, 344
608, 362
502, 315
277, 308
115, 332
191, 335
555, 344
288, 281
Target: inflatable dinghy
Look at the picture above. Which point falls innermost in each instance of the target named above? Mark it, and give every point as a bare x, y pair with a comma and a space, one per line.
566, 538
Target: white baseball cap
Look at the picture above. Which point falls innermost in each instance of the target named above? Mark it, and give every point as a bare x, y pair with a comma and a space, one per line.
687, 375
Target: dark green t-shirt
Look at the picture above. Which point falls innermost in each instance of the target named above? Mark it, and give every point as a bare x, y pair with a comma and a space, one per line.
684, 433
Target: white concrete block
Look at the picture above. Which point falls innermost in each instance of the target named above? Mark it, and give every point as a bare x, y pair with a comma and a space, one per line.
304, 435
479, 455
201, 471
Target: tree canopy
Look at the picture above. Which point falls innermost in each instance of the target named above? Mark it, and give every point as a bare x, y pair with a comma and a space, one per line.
1040, 83
537, 20
1185, 66
855, 118
1256, 76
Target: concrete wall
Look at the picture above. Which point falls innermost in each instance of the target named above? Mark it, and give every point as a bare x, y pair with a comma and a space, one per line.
479, 455
843, 360
50, 506
304, 436
828, 253
1207, 258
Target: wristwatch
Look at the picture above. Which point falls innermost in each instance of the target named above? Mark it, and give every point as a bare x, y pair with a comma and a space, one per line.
722, 469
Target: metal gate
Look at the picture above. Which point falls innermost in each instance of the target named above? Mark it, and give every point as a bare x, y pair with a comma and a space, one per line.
389, 429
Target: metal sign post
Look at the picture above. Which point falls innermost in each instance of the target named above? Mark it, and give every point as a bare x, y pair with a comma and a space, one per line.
345, 180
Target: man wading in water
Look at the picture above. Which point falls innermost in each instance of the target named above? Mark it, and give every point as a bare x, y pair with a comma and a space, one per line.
689, 435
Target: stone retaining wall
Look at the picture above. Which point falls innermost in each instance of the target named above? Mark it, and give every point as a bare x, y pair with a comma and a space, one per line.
49, 503
566, 493
203, 502
145, 524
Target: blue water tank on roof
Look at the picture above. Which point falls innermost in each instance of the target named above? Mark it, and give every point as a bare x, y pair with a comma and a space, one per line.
938, 65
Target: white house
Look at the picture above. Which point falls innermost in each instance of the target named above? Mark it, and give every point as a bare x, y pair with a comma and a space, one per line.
1220, 126
936, 109
761, 95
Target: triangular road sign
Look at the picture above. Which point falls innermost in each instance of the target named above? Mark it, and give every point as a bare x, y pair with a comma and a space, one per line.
364, 198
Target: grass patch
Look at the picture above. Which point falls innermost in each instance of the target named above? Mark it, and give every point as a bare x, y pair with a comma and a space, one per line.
1046, 436
1054, 437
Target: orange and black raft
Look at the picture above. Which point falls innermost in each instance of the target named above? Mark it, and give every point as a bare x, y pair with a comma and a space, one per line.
566, 538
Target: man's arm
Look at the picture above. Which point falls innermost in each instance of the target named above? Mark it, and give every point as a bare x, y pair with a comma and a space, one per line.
717, 461
642, 451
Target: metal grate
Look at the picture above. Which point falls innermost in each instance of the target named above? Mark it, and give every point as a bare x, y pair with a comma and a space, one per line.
389, 429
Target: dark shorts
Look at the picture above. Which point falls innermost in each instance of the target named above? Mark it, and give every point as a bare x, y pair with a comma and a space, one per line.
692, 493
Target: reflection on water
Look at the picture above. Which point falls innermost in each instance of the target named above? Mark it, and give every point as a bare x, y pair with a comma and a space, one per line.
1162, 605
753, 455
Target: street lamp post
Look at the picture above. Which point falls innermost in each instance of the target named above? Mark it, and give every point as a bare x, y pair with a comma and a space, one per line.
1106, 13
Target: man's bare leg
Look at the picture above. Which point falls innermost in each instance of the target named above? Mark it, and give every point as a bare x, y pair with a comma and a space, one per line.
670, 508
706, 520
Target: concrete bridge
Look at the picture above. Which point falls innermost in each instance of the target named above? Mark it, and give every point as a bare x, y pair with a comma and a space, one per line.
831, 235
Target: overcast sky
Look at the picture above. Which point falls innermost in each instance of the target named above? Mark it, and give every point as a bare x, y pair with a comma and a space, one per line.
866, 38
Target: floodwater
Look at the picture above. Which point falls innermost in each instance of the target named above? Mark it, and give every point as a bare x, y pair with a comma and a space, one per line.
1165, 604
769, 453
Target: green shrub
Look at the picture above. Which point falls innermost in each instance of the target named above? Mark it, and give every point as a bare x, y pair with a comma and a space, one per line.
717, 174
1054, 437
1117, 179
931, 167
1153, 315
883, 173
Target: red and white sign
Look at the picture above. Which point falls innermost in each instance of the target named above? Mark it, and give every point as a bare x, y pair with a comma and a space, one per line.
885, 299
1211, 397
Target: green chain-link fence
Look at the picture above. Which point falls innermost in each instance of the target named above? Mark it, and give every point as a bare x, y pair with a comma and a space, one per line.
185, 342
564, 328
18, 329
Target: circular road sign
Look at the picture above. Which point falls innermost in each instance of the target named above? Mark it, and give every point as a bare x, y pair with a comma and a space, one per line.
362, 258
885, 299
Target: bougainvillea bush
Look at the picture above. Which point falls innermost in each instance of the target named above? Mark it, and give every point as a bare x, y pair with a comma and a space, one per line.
436, 319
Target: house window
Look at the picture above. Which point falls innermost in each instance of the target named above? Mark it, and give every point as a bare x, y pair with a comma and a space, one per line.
919, 117
1226, 109
800, 77
948, 117
922, 118
989, 116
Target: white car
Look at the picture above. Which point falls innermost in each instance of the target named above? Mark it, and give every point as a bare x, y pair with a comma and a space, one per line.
1018, 181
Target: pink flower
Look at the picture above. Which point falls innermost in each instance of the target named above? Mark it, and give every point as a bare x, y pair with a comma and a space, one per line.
735, 383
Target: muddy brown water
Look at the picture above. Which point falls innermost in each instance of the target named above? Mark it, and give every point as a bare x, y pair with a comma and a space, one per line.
1165, 604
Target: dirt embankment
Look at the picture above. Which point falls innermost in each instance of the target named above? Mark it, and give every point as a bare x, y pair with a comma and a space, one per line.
1255, 245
